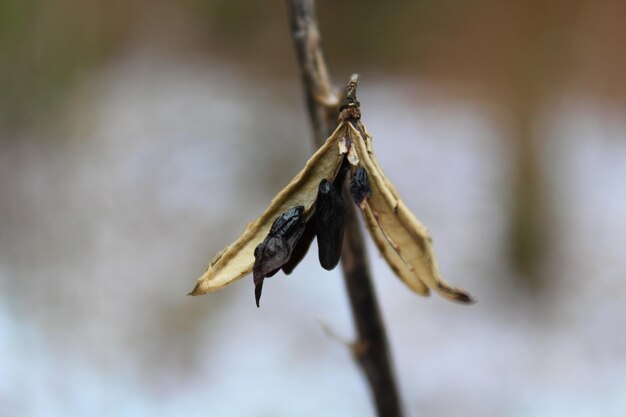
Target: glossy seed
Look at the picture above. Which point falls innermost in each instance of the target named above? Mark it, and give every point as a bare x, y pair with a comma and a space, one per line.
286, 223
275, 250
302, 247
330, 217
359, 186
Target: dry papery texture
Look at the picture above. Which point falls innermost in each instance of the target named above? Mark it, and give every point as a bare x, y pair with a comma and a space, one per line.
236, 260
400, 237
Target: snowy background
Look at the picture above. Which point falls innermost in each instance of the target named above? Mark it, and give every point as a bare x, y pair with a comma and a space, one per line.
156, 159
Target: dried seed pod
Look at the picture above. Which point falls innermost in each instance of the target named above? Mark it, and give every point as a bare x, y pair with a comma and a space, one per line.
401, 238
237, 260
275, 241
360, 191
275, 250
330, 218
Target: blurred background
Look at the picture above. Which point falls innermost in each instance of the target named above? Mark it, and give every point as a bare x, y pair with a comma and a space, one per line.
137, 138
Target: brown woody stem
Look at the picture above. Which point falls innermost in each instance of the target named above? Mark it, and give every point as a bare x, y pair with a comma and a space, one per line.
371, 348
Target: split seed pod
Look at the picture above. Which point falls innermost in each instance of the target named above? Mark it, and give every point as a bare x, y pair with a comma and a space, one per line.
400, 237
237, 260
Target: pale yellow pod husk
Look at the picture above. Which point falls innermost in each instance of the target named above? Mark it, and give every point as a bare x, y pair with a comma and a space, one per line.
396, 263
236, 260
401, 238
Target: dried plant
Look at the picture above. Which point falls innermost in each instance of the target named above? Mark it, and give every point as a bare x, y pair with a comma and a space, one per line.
313, 200
312, 205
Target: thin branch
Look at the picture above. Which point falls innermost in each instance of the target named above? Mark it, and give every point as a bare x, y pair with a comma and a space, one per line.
321, 99
371, 348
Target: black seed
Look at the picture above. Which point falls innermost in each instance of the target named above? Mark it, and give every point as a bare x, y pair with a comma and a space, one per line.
330, 216
272, 273
359, 186
271, 254
275, 250
258, 288
302, 247
285, 224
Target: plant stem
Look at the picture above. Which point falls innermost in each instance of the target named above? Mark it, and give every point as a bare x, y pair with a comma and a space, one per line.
371, 348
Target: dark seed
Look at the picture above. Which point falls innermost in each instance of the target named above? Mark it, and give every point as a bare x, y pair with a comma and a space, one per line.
275, 250
285, 224
302, 247
330, 216
359, 186
271, 254
258, 288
